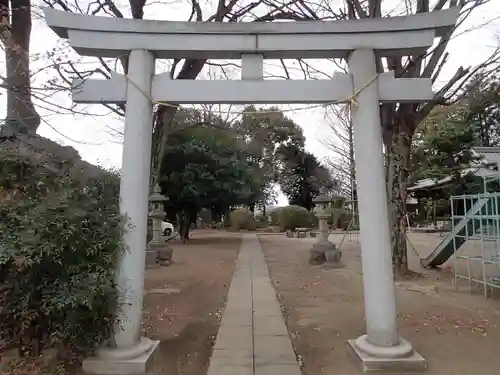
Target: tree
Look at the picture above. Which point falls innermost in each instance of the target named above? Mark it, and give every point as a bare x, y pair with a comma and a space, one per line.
206, 167
341, 164
266, 131
15, 31
482, 98
443, 147
302, 176
443, 142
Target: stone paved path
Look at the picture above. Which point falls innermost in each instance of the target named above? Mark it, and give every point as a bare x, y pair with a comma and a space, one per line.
252, 338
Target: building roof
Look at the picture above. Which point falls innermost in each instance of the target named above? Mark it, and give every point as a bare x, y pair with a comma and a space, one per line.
486, 166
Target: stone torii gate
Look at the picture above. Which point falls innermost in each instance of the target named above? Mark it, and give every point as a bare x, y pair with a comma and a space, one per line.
357, 41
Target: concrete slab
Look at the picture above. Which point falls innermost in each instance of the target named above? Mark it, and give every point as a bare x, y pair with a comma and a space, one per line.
263, 291
240, 305
372, 364
269, 326
267, 310
239, 337
260, 291
273, 350
163, 291
253, 338
225, 369
278, 370
233, 356
236, 299
261, 273
232, 318
242, 272
235, 310
264, 298
236, 292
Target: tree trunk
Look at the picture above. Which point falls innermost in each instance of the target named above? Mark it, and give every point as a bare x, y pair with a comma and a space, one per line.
398, 165
184, 225
352, 166
15, 36
227, 222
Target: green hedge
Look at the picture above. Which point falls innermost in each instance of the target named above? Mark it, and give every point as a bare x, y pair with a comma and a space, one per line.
242, 219
261, 221
291, 217
59, 242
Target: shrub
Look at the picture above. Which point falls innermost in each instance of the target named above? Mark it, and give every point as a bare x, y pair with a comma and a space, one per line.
291, 217
261, 221
275, 216
59, 242
347, 222
242, 219
337, 218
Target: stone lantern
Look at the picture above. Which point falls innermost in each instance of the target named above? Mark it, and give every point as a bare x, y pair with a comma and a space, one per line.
158, 252
323, 251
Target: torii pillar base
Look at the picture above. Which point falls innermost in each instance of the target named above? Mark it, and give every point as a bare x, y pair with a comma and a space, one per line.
136, 360
388, 360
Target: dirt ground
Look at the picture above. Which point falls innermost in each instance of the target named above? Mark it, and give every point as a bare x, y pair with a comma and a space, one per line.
186, 316
457, 332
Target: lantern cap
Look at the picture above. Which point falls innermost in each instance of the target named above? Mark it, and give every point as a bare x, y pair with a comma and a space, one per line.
157, 196
324, 197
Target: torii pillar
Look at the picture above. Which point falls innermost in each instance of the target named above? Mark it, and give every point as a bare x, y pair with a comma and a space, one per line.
357, 41
130, 353
381, 348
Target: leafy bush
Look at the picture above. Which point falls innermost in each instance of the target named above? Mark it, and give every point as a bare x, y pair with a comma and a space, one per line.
242, 219
59, 242
346, 221
275, 217
291, 217
261, 221
337, 218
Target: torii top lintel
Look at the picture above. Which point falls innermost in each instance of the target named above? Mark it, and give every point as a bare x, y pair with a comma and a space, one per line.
111, 37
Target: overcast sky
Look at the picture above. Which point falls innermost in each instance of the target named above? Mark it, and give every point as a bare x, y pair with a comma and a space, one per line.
90, 135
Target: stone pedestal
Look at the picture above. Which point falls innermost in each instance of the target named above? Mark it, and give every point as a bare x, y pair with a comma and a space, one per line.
317, 255
136, 360
164, 255
396, 358
152, 259
332, 258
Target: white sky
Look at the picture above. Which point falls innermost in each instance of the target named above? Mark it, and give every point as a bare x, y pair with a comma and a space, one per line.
90, 134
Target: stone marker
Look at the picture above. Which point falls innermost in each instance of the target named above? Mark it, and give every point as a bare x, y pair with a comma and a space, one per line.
158, 252
323, 250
